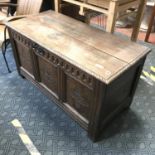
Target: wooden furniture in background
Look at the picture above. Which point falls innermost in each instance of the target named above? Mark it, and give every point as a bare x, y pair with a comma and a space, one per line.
150, 24
24, 7
111, 8
3, 34
27, 7
89, 77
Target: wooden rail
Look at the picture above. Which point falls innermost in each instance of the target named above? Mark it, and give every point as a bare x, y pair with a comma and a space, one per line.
88, 6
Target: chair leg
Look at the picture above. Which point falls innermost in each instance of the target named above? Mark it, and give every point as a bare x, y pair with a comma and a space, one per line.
57, 6
112, 15
150, 24
4, 48
137, 24
6, 62
5, 39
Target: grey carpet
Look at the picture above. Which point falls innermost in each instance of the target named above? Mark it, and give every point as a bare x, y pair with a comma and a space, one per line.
54, 133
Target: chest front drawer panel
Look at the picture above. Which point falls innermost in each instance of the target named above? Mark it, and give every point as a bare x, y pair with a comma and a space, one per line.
79, 97
24, 53
48, 74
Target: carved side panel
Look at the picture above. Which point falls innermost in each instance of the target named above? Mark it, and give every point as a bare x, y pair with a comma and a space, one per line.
79, 97
120, 89
48, 74
120, 93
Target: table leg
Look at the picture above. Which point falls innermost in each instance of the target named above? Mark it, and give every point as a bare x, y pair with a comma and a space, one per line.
138, 20
150, 24
57, 4
112, 15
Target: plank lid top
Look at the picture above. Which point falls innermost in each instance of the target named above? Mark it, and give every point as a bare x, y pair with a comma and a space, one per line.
98, 53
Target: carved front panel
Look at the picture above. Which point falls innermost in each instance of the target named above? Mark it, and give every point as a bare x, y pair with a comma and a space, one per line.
25, 58
48, 74
79, 97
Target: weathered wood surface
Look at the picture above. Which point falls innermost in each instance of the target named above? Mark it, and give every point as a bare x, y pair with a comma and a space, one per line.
100, 54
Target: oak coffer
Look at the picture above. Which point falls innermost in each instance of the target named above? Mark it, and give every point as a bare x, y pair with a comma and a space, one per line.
90, 74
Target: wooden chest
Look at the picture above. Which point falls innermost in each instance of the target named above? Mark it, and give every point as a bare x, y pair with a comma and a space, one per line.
90, 74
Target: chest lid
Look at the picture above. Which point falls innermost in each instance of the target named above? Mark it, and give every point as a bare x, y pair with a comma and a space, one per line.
98, 53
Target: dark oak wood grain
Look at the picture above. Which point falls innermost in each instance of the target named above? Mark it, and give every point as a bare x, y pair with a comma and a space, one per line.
90, 74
